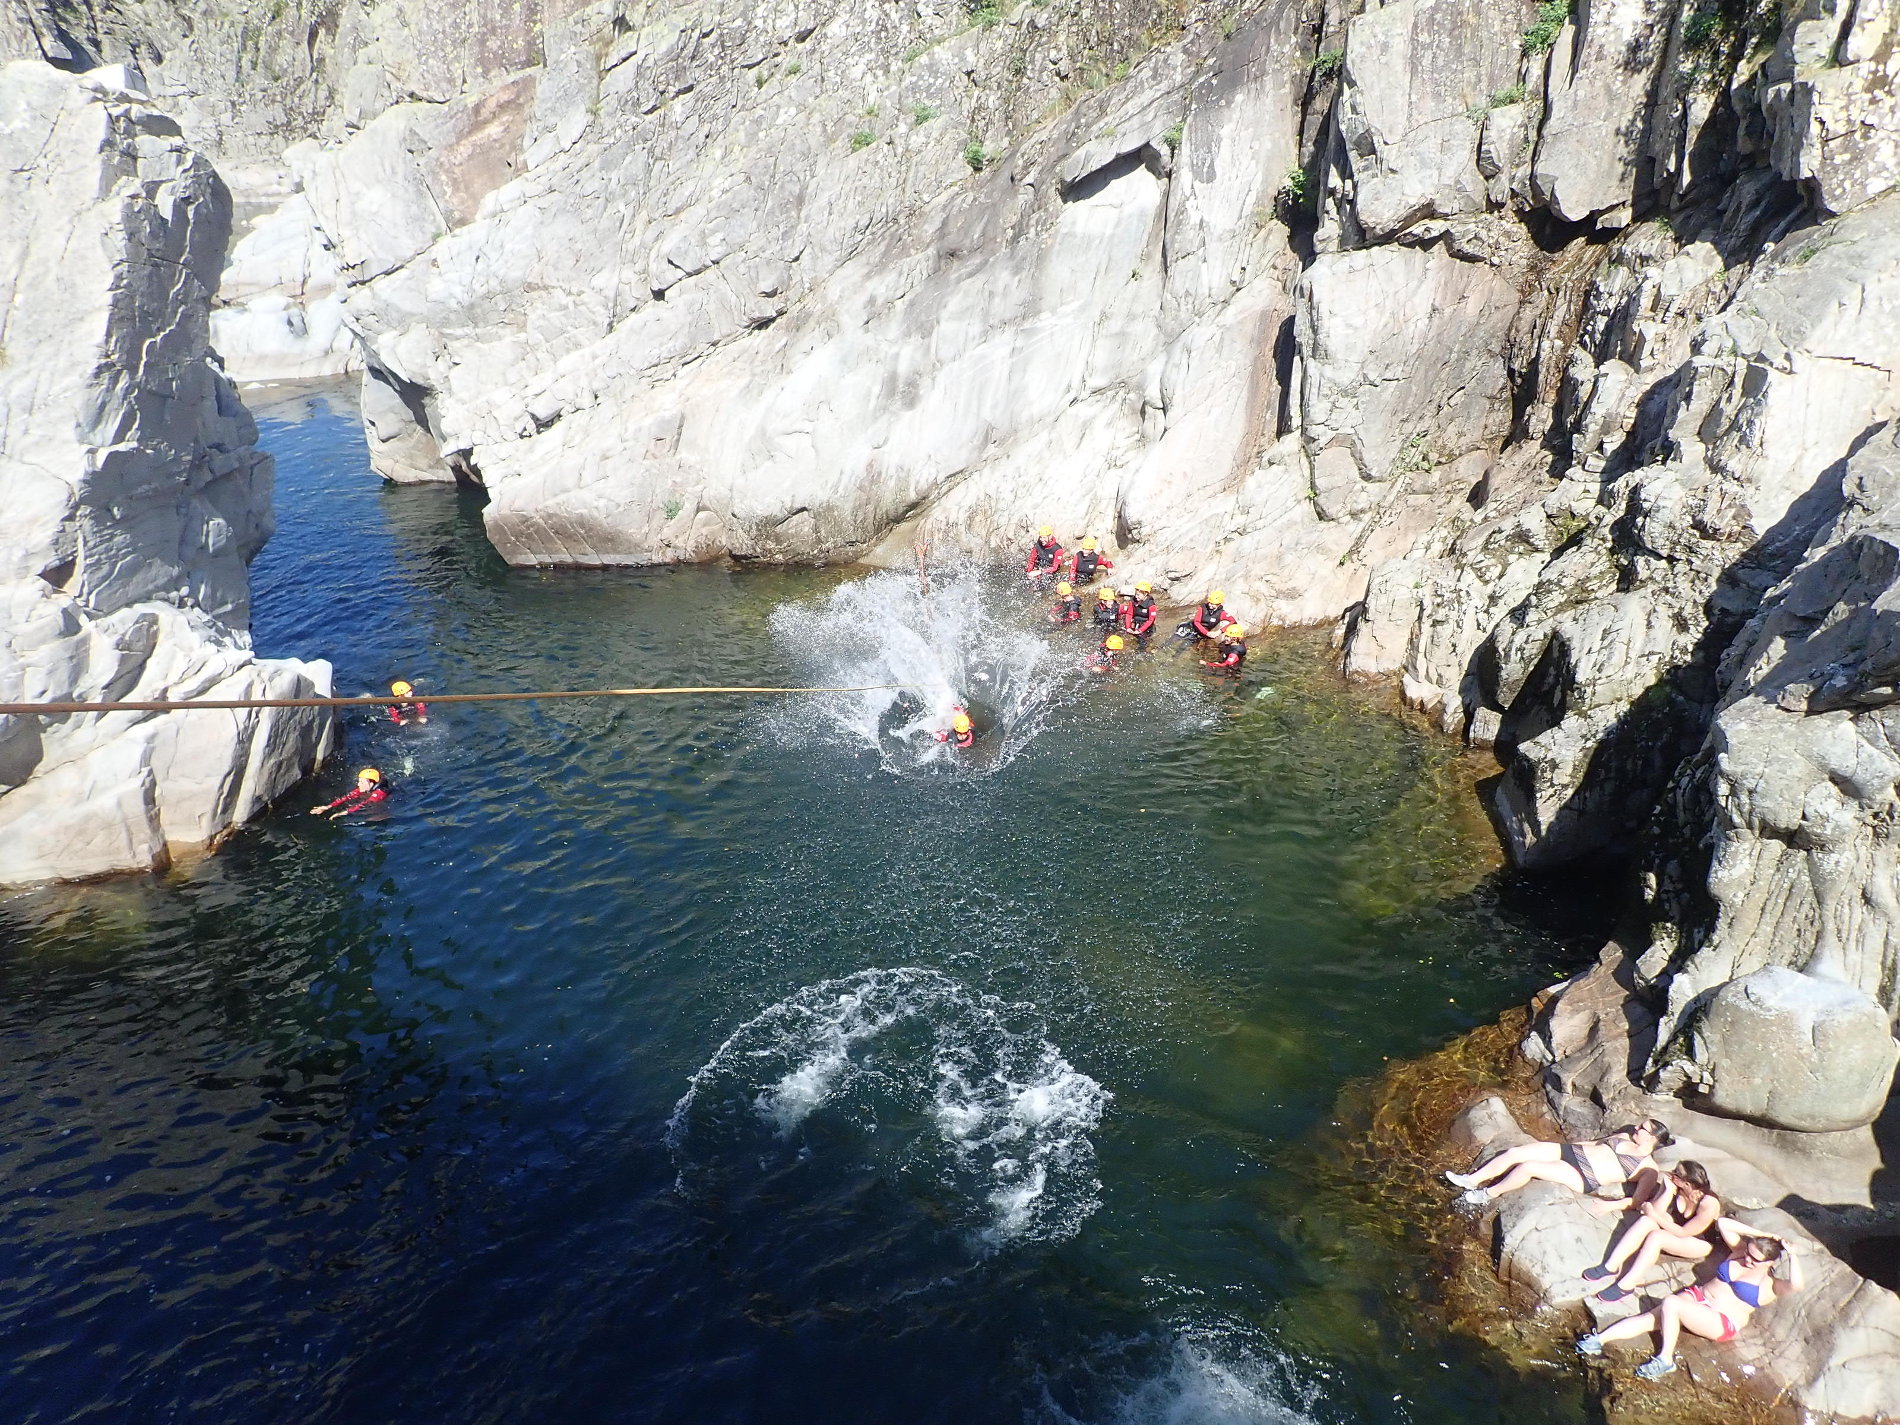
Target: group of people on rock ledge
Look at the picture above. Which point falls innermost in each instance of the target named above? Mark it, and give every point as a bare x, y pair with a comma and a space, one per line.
1667, 1212
1128, 616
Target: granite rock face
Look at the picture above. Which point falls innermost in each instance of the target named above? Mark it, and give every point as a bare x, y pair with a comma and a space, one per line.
134, 492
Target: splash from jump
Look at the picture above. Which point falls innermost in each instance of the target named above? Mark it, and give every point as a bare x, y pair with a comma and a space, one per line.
964, 639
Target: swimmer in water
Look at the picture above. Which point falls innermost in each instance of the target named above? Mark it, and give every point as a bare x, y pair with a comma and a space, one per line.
1068, 604
409, 710
368, 793
961, 734
1108, 655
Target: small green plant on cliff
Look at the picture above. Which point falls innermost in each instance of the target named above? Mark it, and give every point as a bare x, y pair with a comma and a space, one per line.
923, 114
862, 139
915, 52
986, 14
1327, 62
975, 156
1414, 456
1229, 23
1552, 16
1294, 187
793, 69
673, 507
1172, 138
1504, 98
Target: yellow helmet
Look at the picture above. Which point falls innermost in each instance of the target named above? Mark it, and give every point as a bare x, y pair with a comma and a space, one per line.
369, 774
1046, 532
1113, 643
1217, 597
1144, 587
961, 722
400, 689
1105, 595
1088, 541
1233, 631
1062, 587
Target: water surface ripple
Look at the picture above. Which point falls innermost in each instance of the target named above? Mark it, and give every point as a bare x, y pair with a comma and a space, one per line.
677, 1062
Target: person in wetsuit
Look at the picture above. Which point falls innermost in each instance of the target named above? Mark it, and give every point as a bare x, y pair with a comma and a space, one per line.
1138, 612
1108, 613
961, 734
1068, 604
1207, 619
408, 711
1748, 1278
1108, 656
1045, 556
1231, 645
1087, 561
368, 793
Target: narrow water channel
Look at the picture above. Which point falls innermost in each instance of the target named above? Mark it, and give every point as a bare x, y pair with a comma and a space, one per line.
698, 1060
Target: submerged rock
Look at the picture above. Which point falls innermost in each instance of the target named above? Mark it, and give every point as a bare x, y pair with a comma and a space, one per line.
134, 492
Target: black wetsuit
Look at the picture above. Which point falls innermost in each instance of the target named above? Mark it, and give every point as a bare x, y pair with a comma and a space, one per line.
1067, 610
1107, 615
1086, 563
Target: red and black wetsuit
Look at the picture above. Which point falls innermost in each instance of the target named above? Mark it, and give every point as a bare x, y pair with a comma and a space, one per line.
1045, 557
1210, 619
400, 713
962, 741
356, 799
1085, 562
1107, 615
1068, 609
1103, 660
1138, 616
1232, 655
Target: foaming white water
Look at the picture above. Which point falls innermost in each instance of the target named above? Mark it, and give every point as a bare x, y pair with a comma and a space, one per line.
989, 1120
1212, 1382
965, 639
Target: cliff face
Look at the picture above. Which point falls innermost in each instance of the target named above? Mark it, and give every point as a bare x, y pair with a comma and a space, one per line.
134, 495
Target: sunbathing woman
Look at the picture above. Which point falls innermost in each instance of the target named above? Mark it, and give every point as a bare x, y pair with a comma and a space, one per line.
1718, 1309
1602, 1168
1675, 1214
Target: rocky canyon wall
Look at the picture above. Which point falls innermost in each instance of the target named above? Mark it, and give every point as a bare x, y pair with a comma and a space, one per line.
134, 495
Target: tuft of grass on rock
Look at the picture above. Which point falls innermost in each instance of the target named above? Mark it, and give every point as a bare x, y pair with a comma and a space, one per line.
1327, 63
976, 156
923, 114
1552, 16
862, 139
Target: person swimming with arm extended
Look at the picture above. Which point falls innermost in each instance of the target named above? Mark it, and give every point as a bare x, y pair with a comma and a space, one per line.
1231, 644
368, 792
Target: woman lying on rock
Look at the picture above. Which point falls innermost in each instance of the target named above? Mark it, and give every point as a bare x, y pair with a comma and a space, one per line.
1716, 1310
1675, 1214
1600, 1168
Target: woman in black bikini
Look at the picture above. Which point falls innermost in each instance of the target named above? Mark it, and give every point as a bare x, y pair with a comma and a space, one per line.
1715, 1310
1675, 1213
1601, 1168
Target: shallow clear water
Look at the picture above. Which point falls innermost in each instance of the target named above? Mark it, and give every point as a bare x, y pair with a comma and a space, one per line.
700, 1060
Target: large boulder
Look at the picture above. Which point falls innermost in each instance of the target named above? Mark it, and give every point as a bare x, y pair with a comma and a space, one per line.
1794, 1051
135, 496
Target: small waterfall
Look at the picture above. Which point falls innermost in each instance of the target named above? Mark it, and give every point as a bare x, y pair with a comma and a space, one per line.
968, 638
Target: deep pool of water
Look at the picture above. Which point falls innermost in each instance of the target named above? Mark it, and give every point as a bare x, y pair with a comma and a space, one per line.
689, 1060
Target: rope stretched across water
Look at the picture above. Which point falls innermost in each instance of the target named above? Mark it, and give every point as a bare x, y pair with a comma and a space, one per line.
386, 700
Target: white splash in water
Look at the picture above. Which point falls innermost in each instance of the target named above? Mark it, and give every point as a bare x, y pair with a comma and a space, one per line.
965, 640
1211, 1379
1012, 1117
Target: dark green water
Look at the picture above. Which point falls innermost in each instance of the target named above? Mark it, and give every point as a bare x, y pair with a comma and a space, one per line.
391, 1122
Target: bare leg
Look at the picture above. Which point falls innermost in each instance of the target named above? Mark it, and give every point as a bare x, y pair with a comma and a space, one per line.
1630, 1327
1548, 1171
1634, 1234
1693, 1249
1509, 1160
1669, 1318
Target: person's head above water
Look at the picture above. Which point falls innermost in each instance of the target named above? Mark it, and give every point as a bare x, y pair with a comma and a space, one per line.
1233, 633
1144, 587
1088, 541
1113, 643
1046, 532
961, 722
370, 775
1063, 587
1217, 598
400, 689
1104, 595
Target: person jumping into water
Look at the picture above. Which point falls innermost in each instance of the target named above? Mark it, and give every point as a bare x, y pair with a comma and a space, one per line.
1068, 605
407, 711
961, 734
1086, 562
1208, 618
1045, 556
1138, 612
1108, 613
368, 793
1107, 657
1231, 645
